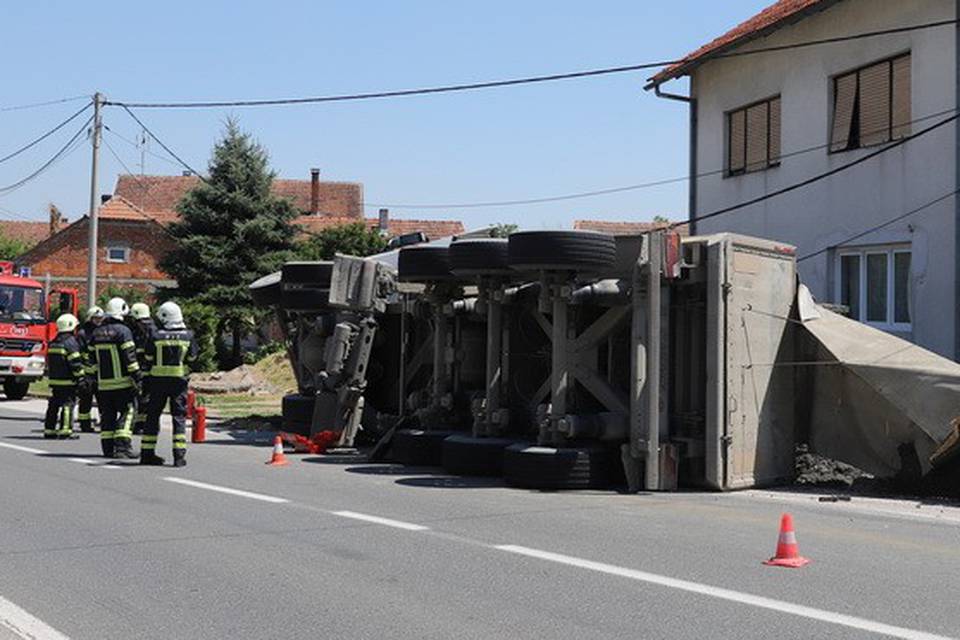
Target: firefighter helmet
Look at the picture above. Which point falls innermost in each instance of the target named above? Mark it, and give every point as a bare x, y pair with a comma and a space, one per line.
67, 323
170, 315
116, 308
140, 311
93, 313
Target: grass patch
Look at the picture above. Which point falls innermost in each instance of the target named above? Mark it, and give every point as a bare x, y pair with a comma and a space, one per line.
40, 388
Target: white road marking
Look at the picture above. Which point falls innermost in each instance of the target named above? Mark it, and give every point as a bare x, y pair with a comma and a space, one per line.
24, 625
822, 615
17, 447
228, 490
387, 522
94, 463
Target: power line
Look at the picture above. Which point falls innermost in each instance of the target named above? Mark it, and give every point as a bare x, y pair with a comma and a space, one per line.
137, 145
64, 150
631, 187
160, 142
37, 141
514, 81
880, 226
33, 105
821, 176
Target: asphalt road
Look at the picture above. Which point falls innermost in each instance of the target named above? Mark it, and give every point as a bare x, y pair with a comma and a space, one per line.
335, 548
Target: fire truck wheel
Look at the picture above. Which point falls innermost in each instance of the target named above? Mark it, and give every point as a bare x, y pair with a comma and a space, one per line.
549, 468
297, 411
15, 390
418, 448
468, 456
266, 291
561, 250
424, 262
481, 256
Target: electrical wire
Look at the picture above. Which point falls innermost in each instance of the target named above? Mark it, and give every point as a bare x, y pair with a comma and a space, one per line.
161, 143
137, 145
33, 105
37, 141
514, 81
64, 150
880, 226
139, 182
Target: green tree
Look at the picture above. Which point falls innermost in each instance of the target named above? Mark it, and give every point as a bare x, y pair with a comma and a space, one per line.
658, 219
12, 248
502, 230
232, 230
353, 239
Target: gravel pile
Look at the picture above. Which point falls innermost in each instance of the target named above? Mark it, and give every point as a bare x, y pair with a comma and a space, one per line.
814, 470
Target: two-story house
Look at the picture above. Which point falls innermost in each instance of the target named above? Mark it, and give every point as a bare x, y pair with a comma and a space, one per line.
881, 236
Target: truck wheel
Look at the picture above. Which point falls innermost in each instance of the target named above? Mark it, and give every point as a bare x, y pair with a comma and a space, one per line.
533, 467
266, 291
15, 390
306, 286
468, 456
424, 262
561, 250
482, 256
418, 448
298, 413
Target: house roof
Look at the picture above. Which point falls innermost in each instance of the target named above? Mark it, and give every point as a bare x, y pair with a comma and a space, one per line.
395, 227
625, 228
31, 232
119, 208
777, 15
162, 193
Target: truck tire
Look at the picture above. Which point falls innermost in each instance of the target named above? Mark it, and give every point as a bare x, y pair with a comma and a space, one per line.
549, 468
306, 286
419, 448
15, 390
297, 413
424, 262
561, 250
266, 292
482, 256
464, 455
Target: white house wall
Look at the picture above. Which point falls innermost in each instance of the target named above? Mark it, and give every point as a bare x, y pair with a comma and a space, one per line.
828, 212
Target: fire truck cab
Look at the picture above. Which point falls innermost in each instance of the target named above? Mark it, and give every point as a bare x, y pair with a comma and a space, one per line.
27, 323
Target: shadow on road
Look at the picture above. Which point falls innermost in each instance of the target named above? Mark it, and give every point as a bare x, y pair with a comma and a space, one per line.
40, 437
337, 460
451, 482
392, 470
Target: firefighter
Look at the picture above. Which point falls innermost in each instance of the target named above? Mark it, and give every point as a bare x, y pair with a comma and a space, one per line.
113, 355
143, 327
170, 352
93, 318
66, 374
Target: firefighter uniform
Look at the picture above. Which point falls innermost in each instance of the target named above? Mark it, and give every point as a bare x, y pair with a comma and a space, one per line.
65, 372
113, 357
170, 352
86, 392
142, 326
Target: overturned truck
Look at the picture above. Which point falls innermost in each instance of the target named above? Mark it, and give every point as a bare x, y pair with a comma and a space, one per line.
572, 359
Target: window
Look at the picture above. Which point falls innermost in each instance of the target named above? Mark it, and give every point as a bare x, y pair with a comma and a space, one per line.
118, 254
753, 137
874, 283
871, 105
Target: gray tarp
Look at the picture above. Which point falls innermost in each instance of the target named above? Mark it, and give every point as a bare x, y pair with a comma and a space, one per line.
872, 393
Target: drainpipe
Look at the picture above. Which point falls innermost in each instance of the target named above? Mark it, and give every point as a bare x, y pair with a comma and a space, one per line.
692, 189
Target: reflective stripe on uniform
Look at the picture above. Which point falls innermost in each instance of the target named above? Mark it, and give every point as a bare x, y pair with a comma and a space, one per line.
179, 441
148, 443
106, 435
66, 419
61, 383
112, 385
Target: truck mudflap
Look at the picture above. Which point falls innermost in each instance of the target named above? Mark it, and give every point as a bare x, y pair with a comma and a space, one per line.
875, 400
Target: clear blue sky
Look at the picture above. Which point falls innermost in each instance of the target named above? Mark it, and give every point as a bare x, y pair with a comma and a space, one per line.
499, 144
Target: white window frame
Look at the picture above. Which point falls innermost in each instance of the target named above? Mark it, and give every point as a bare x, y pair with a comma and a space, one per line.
890, 251
116, 247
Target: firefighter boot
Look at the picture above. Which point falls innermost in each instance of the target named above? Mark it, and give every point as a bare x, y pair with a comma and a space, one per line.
106, 445
179, 457
150, 458
122, 449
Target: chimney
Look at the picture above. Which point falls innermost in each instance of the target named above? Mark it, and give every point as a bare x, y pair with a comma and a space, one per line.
105, 198
56, 218
383, 221
314, 191
186, 173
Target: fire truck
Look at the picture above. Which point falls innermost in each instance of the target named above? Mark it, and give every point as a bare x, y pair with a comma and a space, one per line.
28, 316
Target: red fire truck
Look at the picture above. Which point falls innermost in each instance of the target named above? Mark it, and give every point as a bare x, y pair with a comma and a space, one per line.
27, 322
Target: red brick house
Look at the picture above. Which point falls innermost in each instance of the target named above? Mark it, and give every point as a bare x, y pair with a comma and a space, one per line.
132, 238
625, 228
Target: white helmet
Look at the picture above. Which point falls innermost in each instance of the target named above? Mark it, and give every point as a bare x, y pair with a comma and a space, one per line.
140, 311
170, 315
67, 323
93, 312
116, 308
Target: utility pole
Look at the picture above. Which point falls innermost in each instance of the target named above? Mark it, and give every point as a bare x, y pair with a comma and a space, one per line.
94, 202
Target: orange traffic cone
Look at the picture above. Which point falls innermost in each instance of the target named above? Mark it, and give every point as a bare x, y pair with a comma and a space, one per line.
788, 552
278, 459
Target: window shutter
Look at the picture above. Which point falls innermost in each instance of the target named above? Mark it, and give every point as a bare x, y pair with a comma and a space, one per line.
738, 133
875, 104
775, 131
901, 97
757, 137
845, 95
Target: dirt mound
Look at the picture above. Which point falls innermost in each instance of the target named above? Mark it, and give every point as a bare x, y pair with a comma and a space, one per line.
814, 470
270, 376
